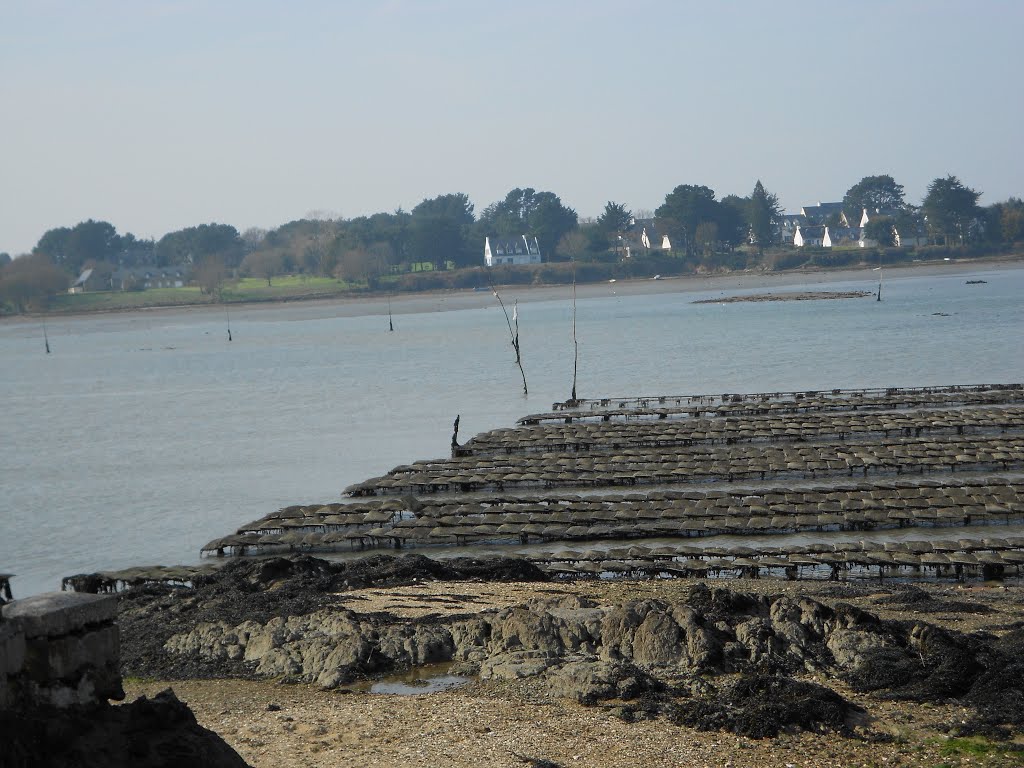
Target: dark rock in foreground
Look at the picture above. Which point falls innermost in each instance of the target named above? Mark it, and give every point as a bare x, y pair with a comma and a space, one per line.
148, 733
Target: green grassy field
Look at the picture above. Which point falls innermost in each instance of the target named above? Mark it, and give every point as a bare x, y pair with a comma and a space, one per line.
244, 290
291, 286
95, 301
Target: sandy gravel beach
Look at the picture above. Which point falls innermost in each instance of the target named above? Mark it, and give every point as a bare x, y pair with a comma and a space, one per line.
511, 723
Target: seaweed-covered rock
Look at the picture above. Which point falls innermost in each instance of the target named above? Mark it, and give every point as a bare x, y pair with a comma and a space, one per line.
759, 706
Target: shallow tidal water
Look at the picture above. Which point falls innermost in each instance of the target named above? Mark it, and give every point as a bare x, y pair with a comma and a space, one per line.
145, 435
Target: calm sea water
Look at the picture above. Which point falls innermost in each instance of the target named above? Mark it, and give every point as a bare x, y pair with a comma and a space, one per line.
144, 436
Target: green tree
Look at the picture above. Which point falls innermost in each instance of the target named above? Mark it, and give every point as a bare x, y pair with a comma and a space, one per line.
763, 216
881, 229
5, 259
615, 218
88, 241
440, 231
1011, 221
684, 209
876, 193
734, 220
950, 208
706, 237
193, 245
28, 282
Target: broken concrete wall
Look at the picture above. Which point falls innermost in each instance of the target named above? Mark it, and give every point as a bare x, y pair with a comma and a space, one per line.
60, 649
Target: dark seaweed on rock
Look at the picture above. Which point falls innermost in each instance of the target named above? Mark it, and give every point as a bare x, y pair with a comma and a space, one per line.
921, 601
759, 706
997, 693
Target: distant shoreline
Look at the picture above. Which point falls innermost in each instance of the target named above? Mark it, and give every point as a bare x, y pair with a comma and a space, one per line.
451, 300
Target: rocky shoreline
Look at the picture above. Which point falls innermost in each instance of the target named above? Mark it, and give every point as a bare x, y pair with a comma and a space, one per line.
753, 658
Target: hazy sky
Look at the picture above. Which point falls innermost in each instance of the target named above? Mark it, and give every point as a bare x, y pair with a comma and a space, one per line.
165, 114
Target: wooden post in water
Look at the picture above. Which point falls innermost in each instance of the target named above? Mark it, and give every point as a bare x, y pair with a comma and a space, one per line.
455, 434
228, 318
391, 325
513, 333
46, 339
575, 342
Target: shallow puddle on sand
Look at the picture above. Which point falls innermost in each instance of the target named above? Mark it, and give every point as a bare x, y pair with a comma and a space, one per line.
430, 678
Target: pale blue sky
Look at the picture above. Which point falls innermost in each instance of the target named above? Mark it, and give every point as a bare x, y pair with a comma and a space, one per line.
165, 114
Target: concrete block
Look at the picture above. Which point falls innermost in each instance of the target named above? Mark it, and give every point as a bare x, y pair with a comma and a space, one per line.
12, 650
53, 614
66, 656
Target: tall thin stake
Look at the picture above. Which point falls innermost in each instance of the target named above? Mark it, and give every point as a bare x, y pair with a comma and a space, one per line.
575, 342
46, 339
228, 318
391, 325
513, 333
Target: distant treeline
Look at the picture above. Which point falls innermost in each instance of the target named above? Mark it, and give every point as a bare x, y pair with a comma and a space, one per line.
421, 248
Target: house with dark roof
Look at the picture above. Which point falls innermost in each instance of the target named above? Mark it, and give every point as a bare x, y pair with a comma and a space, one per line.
788, 224
135, 278
808, 235
840, 236
511, 250
822, 212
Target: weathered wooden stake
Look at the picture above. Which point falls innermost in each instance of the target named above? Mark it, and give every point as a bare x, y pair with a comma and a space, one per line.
575, 342
513, 333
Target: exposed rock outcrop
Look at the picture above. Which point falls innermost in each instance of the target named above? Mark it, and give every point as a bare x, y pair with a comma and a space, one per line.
683, 657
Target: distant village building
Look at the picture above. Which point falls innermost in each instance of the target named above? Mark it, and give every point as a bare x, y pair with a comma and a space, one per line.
511, 250
808, 235
80, 284
822, 212
788, 224
136, 278
840, 236
650, 237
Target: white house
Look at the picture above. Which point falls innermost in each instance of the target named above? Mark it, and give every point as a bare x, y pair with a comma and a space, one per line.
913, 234
808, 236
839, 236
788, 224
511, 250
650, 238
